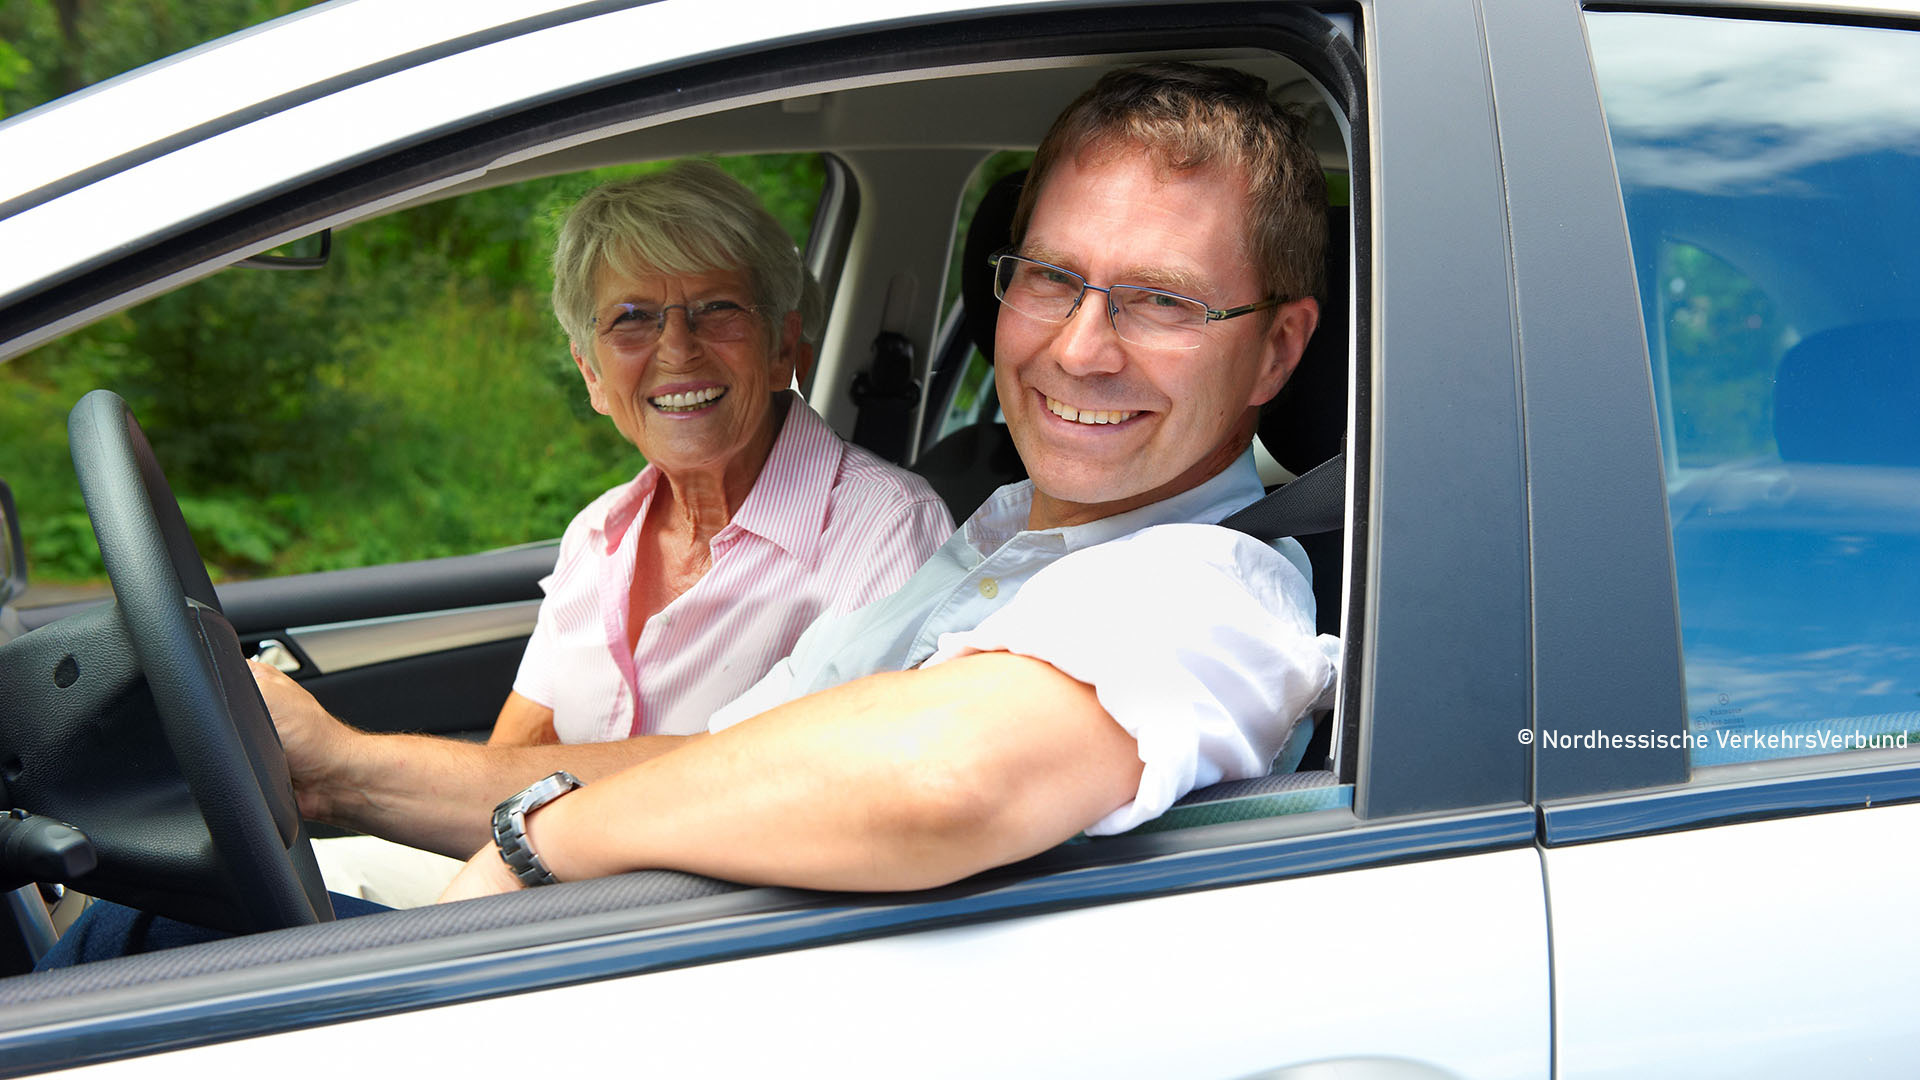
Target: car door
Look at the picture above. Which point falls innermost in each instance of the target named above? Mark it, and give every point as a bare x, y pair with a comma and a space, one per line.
1395, 918
1720, 834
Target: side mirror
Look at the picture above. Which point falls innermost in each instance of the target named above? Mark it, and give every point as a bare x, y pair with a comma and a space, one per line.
13, 552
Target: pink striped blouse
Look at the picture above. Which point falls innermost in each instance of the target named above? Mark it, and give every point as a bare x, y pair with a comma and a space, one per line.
828, 527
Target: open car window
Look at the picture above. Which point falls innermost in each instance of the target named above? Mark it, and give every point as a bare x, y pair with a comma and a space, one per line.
410, 399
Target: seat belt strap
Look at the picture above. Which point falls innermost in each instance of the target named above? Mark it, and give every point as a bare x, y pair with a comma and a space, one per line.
1315, 502
887, 394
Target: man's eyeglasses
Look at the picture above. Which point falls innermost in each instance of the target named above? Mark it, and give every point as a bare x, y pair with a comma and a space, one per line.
1154, 318
630, 329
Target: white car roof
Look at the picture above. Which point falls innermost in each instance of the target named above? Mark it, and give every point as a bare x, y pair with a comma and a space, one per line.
244, 76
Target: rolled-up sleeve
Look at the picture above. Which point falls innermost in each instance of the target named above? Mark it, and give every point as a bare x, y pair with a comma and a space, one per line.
1198, 640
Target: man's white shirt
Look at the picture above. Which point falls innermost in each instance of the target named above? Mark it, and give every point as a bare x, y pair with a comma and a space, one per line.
1198, 640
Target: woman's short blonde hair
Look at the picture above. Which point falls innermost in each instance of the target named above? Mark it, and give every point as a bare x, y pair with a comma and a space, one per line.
688, 219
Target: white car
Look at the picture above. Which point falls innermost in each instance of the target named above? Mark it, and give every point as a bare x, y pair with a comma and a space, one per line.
1622, 354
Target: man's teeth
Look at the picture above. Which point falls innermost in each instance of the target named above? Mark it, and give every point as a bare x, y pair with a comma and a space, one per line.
692, 399
1087, 416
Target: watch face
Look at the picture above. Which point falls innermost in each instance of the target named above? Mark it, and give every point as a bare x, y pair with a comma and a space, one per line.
541, 791
558, 783
510, 826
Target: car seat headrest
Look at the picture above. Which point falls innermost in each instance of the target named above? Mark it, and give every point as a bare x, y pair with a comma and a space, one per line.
1304, 425
990, 230
1850, 395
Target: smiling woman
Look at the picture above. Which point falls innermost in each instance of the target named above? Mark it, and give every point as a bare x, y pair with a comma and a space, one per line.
746, 488
675, 591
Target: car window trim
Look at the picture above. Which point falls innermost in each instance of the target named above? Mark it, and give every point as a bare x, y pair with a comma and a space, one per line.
1729, 794
271, 605
1368, 843
331, 648
1323, 47
829, 240
1819, 12
1444, 623
1606, 623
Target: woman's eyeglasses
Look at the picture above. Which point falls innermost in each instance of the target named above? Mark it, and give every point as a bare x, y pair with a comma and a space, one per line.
631, 328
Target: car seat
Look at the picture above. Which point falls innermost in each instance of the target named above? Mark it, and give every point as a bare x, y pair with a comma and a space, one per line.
970, 464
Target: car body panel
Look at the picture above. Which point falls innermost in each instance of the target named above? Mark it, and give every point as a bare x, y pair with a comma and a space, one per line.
1768, 949
1220, 983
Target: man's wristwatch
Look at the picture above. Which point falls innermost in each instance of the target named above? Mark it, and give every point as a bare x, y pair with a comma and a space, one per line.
510, 827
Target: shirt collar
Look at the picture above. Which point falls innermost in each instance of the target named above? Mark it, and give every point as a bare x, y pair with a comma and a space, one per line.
621, 507
1004, 515
787, 504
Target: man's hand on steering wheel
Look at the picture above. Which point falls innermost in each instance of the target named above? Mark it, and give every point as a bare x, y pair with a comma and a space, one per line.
314, 740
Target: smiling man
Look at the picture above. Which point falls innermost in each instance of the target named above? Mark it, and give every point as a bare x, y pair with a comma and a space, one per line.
1088, 647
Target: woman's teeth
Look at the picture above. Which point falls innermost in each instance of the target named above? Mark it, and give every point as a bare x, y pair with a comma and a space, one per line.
688, 401
1087, 416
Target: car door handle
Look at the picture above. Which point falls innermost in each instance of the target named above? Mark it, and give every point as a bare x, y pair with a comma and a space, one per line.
274, 654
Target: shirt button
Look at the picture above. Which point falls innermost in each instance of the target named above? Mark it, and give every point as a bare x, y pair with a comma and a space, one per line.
989, 588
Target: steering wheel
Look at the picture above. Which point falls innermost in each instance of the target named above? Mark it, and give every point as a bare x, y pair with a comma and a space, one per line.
140, 723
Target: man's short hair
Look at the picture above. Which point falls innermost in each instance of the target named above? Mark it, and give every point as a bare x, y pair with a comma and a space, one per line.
688, 219
1189, 117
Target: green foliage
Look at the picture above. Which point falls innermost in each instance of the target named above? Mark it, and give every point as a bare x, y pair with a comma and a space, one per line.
14, 70
236, 528
34, 399
412, 399
1724, 340
235, 370
988, 174
976, 379
789, 185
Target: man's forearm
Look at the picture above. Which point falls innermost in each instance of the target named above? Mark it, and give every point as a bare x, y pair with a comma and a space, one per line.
896, 781
439, 794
